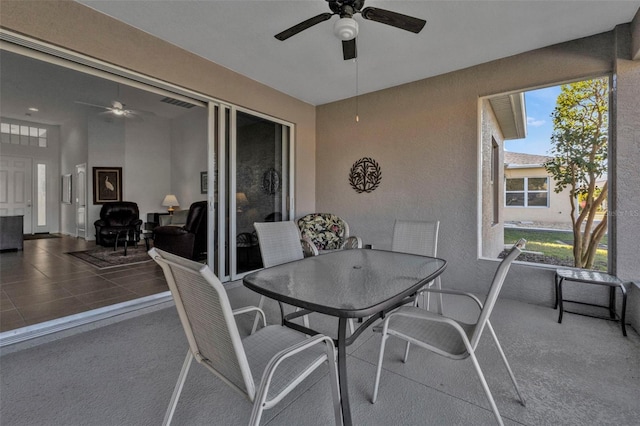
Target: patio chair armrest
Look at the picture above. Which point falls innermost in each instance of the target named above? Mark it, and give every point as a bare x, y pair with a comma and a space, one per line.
301, 346
452, 292
422, 314
308, 248
277, 359
352, 242
248, 309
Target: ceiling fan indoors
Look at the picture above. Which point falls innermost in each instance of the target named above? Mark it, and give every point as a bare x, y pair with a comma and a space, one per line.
117, 109
346, 28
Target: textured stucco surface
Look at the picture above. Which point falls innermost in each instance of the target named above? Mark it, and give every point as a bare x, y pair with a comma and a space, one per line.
492, 231
424, 135
627, 130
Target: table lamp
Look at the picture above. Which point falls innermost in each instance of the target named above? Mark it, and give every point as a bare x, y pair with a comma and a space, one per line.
241, 201
170, 201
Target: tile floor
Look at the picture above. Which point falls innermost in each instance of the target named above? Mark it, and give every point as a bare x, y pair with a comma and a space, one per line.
42, 282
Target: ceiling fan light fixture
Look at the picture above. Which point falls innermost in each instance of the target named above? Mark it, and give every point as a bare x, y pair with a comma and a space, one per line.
346, 29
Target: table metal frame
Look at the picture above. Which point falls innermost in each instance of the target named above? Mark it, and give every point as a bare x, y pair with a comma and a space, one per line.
371, 314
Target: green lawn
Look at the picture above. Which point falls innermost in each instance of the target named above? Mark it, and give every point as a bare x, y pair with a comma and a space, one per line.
554, 244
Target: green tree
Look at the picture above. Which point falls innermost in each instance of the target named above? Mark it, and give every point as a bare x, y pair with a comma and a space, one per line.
579, 145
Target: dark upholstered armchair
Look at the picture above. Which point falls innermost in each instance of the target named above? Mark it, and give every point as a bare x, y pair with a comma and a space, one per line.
118, 219
190, 240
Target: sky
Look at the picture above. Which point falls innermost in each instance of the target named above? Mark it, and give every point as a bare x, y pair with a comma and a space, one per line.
539, 105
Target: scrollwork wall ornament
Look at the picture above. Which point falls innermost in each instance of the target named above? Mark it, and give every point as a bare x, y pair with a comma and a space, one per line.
271, 181
365, 175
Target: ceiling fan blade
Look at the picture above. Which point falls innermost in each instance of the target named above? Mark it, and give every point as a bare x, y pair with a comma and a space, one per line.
142, 112
303, 26
130, 115
398, 20
92, 105
349, 50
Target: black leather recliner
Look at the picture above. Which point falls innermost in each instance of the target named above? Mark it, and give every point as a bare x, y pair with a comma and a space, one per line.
188, 241
119, 219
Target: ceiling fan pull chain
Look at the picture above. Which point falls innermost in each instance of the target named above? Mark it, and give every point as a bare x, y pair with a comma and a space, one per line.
357, 91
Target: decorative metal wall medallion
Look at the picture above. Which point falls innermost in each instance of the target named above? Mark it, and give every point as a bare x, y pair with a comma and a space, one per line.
271, 181
365, 175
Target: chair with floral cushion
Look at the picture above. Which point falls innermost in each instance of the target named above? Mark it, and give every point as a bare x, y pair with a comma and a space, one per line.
327, 232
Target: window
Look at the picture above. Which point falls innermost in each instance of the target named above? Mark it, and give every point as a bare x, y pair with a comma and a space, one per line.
564, 126
527, 192
23, 135
495, 180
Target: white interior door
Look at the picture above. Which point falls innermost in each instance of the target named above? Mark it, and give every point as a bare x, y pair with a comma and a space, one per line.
16, 189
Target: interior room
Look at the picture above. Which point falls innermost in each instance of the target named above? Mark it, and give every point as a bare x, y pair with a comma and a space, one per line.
278, 132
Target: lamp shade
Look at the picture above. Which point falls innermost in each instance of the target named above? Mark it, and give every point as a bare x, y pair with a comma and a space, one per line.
241, 199
170, 201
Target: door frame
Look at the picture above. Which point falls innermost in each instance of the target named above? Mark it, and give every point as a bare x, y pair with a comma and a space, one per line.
227, 203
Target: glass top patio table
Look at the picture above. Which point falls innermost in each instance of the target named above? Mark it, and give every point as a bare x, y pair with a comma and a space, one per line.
346, 284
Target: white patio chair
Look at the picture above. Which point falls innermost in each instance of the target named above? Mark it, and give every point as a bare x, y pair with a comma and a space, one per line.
418, 237
264, 367
280, 242
448, 337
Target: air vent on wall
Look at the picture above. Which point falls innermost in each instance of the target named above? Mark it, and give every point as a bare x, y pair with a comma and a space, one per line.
177, 103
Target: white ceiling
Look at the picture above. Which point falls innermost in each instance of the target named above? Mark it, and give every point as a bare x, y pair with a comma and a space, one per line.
238, 34
55, 91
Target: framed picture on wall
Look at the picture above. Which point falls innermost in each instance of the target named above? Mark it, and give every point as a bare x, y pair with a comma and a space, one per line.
66, 189
107, 184
204, 183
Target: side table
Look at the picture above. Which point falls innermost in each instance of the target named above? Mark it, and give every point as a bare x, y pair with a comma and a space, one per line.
597, 278
153, 220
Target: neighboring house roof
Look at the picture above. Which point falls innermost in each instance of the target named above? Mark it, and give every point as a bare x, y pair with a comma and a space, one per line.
511, 115
517, 160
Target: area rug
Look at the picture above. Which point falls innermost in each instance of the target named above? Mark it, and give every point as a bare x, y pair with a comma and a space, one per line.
39, 236
106, 257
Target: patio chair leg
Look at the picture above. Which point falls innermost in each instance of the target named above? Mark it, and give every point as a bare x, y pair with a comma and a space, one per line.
379, 369
439, 304
416, 304
256, 413
257, 320
406, 352
506, 364
178, 389
333, 380
351, 326
485, 386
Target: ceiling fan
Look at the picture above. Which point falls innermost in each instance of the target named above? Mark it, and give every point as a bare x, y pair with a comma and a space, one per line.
117, 109
346, 28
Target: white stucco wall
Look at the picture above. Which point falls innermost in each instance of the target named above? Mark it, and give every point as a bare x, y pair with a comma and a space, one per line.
188, 157
492, 211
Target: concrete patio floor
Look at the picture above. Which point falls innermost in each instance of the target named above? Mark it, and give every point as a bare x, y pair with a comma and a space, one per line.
580, 372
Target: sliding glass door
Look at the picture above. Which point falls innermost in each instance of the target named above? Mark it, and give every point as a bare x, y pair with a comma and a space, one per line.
259, 187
